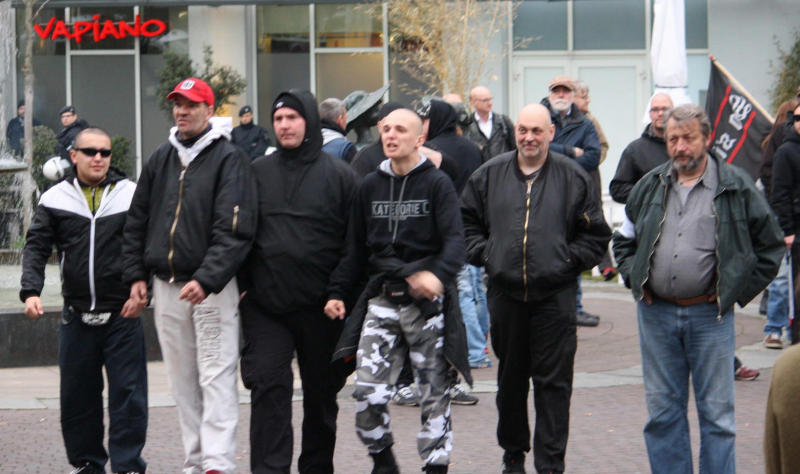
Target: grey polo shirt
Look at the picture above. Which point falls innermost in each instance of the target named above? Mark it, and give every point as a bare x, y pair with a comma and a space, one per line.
684, 258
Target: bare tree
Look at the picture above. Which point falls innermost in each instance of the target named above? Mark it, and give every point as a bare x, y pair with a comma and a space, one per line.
446, 45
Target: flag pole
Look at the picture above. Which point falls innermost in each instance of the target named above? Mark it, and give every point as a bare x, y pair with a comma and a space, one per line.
742, 89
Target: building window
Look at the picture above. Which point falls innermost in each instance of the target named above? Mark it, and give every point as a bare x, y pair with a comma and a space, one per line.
49, 66
609, 25
155, 122
282, 53
348, 26
101, 15
696, 24
340, 74
541, 26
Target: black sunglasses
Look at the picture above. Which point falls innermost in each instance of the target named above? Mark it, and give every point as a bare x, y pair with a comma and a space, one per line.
796, 118
104, 152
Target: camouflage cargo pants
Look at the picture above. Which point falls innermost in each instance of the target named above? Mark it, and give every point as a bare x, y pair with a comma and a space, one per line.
389, 331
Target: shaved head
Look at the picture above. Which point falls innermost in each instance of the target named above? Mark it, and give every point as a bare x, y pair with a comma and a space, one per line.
659, 105
408, 118
452, 98
481, 100
479, 90
533, 133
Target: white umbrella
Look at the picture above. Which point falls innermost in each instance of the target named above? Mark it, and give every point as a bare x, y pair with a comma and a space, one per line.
668, 52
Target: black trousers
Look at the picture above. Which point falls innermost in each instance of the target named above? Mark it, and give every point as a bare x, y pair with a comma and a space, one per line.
270, 343
535, 341
82, 352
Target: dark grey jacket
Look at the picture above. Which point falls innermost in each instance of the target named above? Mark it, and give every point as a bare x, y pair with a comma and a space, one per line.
501, 141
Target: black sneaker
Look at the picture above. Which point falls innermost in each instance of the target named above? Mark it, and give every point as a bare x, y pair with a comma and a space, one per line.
587, 320
405, 396
513, 463
459, 396
430, 469
384, 462
88, 468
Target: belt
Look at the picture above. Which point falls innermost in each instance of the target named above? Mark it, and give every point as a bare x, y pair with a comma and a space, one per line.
687, 301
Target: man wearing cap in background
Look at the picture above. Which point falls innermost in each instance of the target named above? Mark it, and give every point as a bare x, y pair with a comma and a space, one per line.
575, 137
191, 224
15, 132
304, 200
333, 114
251, 138
72, 126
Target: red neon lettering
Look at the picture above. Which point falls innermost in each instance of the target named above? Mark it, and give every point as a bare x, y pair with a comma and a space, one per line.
79, 29
109, 29
160, 28
125, 29
57, 28
43, 34
96, 28
61, 30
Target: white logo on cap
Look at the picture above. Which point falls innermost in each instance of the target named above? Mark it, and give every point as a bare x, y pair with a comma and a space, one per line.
279, 105
187, 85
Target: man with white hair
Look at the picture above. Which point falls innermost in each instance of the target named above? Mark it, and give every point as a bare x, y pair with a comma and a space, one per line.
333, 114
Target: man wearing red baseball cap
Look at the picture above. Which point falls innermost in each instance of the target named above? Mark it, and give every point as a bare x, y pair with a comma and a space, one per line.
190, 226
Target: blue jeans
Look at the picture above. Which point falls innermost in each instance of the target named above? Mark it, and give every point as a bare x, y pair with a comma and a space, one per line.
676, 342
472, 300
778, 303
578, 296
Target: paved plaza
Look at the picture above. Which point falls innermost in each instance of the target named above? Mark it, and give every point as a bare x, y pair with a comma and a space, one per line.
608, 410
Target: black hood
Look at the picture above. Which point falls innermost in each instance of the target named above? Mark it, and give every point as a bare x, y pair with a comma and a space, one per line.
443, 119
311, 147
790, 134
330, 124
80, 123
650, 135
114, 175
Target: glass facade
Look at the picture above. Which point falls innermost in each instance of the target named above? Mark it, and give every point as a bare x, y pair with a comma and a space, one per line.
348, 26
101, 15
541, 26
609, 25
283, 53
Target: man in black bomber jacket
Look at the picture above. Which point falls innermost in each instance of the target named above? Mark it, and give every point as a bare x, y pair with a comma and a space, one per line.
532, 219
304, 197
191, 225
84, 216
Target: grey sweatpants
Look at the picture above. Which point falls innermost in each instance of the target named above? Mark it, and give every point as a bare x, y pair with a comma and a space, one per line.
389, 332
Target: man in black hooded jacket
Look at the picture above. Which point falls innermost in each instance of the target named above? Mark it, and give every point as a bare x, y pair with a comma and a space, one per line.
72, 126
304, 197
413, 246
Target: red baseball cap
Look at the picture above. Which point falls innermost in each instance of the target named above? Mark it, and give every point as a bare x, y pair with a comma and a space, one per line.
195, 90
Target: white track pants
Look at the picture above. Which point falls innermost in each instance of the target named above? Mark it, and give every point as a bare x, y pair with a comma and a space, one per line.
200, 346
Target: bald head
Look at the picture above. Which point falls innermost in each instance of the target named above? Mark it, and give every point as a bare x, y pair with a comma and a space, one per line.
452, 98
481, 100
659, 105
533, 133
401, 134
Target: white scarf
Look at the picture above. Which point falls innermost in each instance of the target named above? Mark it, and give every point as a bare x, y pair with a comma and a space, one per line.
220, 127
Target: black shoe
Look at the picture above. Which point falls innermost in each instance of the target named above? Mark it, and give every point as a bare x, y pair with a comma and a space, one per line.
384, 462
459, 396
513, 462
404, 396
429, 469
762, 308
587, 320
129, 472
87, 468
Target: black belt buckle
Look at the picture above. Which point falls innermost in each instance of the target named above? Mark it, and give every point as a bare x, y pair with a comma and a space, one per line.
396, 292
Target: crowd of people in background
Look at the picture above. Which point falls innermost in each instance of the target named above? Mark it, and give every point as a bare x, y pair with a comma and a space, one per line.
400, 260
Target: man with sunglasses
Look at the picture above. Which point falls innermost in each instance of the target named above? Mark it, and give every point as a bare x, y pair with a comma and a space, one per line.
785, 189
84, 217
191, 224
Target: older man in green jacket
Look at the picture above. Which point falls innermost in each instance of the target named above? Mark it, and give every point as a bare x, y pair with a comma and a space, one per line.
698, 238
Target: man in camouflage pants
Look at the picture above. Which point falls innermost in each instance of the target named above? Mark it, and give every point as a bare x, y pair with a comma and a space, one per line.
414, 243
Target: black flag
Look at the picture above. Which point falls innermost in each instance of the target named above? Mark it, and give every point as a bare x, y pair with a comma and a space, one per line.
738, 123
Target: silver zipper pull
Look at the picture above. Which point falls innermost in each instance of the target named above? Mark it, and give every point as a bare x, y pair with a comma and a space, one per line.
183, 172
719, 318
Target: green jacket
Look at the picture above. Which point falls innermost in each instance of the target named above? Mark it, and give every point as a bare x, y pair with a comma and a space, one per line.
749, 242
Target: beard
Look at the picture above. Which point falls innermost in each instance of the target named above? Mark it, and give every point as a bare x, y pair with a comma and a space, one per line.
561, 105
691, 166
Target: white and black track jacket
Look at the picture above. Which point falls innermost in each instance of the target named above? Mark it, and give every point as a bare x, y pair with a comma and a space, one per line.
89, 246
